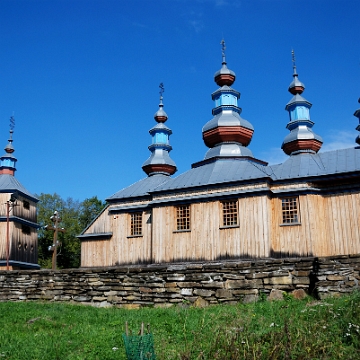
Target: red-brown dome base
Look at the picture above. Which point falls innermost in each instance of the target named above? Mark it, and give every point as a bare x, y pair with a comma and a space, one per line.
225, 79
298, 145
227, 134
159, 168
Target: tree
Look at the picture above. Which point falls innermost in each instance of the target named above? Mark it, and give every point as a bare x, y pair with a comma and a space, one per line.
75, 216
89, 209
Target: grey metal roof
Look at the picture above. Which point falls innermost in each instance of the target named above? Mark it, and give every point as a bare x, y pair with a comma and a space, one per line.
323, 163
225, 170
140, 188
216, 172
228, 149
227, 118
9, 183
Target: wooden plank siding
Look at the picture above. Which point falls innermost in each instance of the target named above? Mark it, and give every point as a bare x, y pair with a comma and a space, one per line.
22, 238
328, 226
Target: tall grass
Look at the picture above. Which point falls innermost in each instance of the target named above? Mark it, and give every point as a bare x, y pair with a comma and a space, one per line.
289, 329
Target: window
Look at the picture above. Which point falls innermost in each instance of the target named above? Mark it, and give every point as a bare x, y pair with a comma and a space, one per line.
290, 210
26, 205
25, 229
136, 224
230, 213
183, 217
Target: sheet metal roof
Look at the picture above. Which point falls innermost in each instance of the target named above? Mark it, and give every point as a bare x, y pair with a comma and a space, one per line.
220, 171
140, 188
321, 164
9, 183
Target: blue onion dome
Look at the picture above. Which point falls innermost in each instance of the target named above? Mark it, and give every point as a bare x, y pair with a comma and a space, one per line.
296, 86
159, 161
301, 139
161, 116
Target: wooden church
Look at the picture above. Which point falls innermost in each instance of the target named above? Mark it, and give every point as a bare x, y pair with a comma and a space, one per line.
18, 226
231, 205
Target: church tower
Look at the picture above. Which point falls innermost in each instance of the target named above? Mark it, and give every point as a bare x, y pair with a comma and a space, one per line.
159, 161
301, 138
18, 226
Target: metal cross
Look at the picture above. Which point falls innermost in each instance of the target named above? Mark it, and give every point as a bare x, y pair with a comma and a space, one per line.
56, 220
162, 89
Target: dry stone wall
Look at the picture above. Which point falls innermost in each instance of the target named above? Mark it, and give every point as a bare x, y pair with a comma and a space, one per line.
200, 284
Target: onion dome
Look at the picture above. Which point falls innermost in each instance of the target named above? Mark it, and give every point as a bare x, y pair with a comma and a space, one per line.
227, 134
8, 161
357, 114
159, 161
301, 138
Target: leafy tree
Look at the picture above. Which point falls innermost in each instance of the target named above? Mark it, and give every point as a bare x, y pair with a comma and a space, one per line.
75, 216
89, 209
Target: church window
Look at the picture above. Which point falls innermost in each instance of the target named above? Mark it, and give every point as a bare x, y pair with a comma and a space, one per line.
230, 213
26, 205
183, 217
136, 224
290, 210
25, 229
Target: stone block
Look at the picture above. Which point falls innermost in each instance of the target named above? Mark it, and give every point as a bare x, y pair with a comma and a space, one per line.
301, 280
187, 284
299, 294
278, 280
99, 298
250, 298
200, 303
276, 294
143, 289
203, 292
186, 291
336, 278
213, 284
224, 293
176, 277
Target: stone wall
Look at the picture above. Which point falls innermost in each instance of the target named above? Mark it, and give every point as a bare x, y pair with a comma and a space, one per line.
193, 283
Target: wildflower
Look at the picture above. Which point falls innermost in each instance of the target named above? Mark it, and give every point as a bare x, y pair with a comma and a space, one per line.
115, 348
324, 327
272, 324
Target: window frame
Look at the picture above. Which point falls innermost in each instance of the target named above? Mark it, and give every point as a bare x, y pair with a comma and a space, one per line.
228, 213
290, 210
136, 224
182, 218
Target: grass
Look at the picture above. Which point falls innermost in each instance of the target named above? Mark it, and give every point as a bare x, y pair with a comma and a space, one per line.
289, 329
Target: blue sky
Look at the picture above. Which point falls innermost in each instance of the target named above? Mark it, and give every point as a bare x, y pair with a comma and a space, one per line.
82, 77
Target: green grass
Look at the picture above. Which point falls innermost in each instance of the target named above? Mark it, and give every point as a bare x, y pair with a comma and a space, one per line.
288, 329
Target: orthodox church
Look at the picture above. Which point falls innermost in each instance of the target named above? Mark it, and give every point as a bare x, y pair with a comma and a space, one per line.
231, 205
18, 226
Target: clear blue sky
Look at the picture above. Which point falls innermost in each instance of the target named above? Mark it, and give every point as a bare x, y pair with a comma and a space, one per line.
82, 77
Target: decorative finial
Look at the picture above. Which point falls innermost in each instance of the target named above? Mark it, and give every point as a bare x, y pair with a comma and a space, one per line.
293, 61
12, 122
162, 89
223, 48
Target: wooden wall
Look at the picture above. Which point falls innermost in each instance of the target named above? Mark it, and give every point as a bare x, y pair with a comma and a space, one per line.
121, 248
206, 241
22, 245
329, 225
